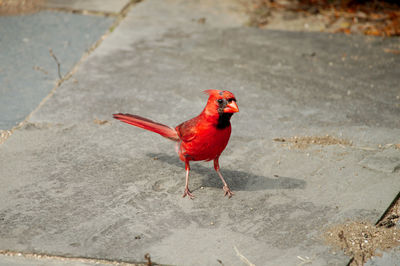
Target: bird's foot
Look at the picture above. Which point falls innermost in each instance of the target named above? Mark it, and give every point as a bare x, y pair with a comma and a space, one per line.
228, 191
188, 193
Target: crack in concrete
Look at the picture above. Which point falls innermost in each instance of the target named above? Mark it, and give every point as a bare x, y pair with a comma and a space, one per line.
5, 134
41, 256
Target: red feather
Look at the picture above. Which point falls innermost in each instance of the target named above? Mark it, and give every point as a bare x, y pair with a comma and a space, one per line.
201, 138
145, 123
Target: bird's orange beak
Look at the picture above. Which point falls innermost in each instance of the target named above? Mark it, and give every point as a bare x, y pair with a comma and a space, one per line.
231, 108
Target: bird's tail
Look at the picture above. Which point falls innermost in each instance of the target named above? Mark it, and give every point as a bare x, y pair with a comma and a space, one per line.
147, 124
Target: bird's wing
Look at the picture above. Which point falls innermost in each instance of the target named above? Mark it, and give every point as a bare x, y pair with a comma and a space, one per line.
187, 131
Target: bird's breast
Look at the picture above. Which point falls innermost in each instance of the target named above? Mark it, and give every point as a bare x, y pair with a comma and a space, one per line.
208, 144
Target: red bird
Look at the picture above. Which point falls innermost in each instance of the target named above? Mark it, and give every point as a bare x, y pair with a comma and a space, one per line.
202, 138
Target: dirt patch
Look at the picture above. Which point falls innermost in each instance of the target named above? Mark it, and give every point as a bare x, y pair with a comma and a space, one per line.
392, 216
19, 7
362, 240
304, 142
100, 122
378, 18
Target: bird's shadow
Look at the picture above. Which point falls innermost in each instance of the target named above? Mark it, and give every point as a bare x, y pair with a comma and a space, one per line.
236, 179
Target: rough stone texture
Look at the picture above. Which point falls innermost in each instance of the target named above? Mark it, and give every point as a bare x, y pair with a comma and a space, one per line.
113, 6
26, 261
114, 191
27, 71
386, 161
386, 259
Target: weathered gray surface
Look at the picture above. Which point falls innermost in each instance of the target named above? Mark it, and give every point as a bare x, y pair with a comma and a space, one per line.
28, 261
385, 161
114, 191
390, 258
27, 71
114, 6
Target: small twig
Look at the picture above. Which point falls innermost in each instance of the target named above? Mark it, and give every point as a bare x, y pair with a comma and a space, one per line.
343, 238
147, 257
38, 68
243, 258
305, 260
58, 63
220, 262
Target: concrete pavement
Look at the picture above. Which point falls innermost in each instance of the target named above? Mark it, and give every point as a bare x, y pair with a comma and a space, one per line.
28, 72
79, 184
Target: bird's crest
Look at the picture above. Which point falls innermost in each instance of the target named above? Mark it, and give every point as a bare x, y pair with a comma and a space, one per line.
213, 92
219, 93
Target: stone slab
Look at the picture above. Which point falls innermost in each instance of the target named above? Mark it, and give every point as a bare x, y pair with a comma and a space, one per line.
113, 6
28, 72
385, 259
109, 190
386, 161
28, 261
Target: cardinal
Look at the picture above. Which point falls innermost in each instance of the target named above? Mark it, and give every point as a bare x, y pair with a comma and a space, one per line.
202, 138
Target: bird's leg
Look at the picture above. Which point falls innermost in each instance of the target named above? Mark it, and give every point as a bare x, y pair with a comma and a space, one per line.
187, 191
225, 187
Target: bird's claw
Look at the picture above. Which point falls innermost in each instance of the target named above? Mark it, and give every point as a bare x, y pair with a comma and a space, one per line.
188, 193
228, 191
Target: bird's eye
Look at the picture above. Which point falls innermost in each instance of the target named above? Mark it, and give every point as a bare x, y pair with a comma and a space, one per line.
220, 101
